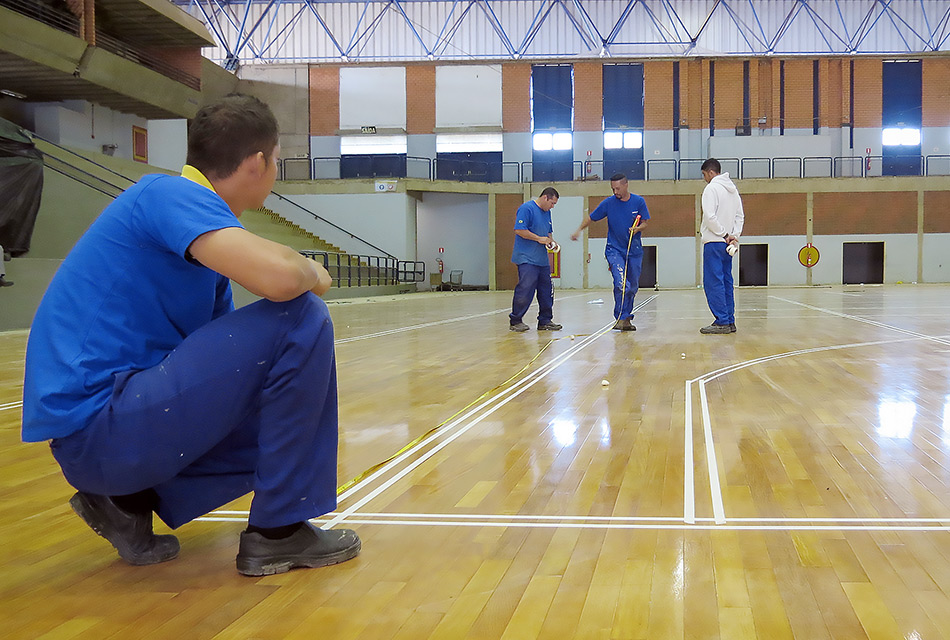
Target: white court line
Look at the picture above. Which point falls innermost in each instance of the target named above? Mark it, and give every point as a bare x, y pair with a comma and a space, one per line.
672, 519
875, 323
689, 497
712, 465
671, 524
436, 323
515, 390
11, 405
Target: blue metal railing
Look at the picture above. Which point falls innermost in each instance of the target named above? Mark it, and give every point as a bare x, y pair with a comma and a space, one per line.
328, 168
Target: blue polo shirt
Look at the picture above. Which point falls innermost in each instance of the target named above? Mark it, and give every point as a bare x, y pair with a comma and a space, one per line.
125, 296
531, 217
620, 216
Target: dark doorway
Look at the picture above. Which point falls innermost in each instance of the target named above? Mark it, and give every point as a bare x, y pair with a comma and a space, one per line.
648, 268
754, 265
863, 263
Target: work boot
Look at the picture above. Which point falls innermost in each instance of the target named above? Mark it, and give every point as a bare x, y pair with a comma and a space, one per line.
624, 325
309, 546
520, 327
130, 533
549, 326
716, 328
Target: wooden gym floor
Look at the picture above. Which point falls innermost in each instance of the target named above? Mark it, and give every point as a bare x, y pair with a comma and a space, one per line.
787, 481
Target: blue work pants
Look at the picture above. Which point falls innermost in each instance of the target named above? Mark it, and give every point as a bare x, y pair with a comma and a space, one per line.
533, 279
246, 403
718, 283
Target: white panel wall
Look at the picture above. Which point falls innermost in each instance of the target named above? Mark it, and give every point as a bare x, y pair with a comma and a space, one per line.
566, 217
457, 223
83, 125
167, 143
373, 96
900, 257
936, 258
384, 219
675, 261
468, 96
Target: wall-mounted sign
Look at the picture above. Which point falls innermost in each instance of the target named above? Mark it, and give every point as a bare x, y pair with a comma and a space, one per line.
367, 129
808, 255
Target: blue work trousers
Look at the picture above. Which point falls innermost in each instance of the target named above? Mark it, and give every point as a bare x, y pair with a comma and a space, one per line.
246, 403
533, 279
717, 282
625, 269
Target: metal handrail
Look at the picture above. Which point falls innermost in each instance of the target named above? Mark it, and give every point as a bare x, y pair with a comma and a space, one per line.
80, 156
335, 226
355, 270
688, 168
61, 20
133, 54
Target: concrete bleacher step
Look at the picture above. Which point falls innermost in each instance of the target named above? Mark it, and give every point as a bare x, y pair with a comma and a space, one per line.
271, 225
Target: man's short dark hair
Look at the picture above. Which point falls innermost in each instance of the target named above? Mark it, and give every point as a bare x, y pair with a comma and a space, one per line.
618, 177
550, 192
224, 133
711, 164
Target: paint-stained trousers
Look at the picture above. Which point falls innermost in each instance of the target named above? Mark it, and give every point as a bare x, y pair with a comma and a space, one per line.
626, 279
246, 403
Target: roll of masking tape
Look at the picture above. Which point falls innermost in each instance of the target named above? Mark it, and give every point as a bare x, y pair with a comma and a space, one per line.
554, 247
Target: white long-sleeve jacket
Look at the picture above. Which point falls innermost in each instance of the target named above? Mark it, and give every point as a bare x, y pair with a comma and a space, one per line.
722, 210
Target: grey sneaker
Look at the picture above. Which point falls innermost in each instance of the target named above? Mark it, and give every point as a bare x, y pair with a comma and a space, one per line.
624, 325
549, 326
732, 328
130, 533
309, 547
716, 328
519, 327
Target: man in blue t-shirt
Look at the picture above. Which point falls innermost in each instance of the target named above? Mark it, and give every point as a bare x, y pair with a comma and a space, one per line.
624, 252
157, 396
533, 235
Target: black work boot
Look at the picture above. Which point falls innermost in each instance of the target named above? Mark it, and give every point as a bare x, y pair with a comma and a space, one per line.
130, 533
309, 546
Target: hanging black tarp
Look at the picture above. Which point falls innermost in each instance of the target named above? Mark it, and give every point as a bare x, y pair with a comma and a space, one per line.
21, 186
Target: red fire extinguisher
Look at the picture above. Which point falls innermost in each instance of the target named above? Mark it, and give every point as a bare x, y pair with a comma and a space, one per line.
441, 265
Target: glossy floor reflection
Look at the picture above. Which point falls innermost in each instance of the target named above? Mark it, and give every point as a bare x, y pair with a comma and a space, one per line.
787, 481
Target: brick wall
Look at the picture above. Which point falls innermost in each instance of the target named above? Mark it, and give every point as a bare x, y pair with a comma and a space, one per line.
936, 92
936, 205
829, 78
588, 96
658, 95
597, 228
729, 96
763, 77
516, 98
865, 212
671, 216
693, 92
420, 99
774, 214
868, 92
799, 108
324, 100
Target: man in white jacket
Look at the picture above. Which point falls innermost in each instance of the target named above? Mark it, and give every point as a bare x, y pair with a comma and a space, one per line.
720, 229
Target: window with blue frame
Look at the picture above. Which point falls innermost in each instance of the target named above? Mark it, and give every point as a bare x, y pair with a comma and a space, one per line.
901, 118
372, 156
552, 122
623, 120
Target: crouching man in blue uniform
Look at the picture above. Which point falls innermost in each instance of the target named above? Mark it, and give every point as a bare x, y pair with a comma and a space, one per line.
157, 396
